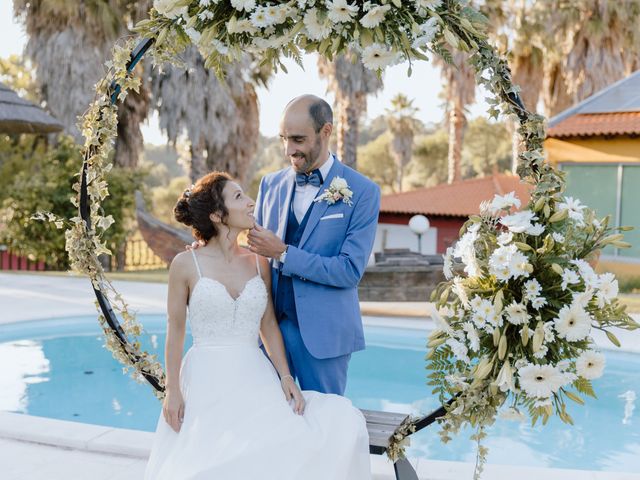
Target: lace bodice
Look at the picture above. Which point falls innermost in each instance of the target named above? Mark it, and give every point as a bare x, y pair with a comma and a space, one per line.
217, 318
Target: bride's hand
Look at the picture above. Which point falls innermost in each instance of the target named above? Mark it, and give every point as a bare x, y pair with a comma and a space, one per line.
173, 409
291, 390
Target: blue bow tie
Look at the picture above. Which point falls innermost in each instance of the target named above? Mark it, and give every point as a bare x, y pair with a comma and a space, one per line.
314, 178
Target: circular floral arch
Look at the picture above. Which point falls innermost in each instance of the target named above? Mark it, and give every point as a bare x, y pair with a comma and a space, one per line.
510, 259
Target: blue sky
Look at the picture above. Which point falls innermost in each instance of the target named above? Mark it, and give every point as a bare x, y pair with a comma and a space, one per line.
423, 86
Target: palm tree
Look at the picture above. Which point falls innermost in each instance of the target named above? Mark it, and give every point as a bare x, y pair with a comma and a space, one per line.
220, 119
68, 44
403, 126
351, 83
601, 43
459, 91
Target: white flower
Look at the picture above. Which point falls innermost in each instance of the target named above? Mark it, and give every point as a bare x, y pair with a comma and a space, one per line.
569, 277
535, 229
193, 34
447, 268
167, 8
316, 30
538, 302
500, 260
377, 56
586, 272
241, 5
472, 336
573, 323
517, 313
430, 4
465, 249
459, 291
457, 381
375, 16
338, 190
540, 381
428, 31
541, 353
441, 323
512, 414
607, 288
549, 334
508, 262
519, 222
505, 238
504, 202
340, 10
590, 364
532, 289
260, 18
504, 381
582, 299
459, 350
240, 26
575, 209
558, 237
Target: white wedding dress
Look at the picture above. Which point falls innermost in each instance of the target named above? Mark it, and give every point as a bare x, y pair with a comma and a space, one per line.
237, 424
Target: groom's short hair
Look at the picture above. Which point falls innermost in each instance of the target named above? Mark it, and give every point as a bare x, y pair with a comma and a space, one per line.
321, 113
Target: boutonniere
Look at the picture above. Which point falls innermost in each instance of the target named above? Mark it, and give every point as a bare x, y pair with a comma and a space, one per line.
338, 190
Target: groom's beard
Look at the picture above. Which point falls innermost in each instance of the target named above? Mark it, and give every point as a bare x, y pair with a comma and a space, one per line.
311, 159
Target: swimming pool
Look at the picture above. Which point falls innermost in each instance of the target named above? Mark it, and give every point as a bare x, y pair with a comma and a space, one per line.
59, 369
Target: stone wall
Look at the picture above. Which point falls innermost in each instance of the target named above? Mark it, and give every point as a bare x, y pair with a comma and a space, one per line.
400, 283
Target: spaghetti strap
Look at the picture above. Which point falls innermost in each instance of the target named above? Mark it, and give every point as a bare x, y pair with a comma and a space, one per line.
195, 260
258, 265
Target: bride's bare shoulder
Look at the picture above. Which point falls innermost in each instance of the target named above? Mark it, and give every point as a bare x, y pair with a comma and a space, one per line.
181, 263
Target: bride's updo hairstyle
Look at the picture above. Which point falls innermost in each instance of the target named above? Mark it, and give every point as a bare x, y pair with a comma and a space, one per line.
196, 204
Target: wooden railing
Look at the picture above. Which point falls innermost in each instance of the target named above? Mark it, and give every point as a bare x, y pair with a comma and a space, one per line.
13, 261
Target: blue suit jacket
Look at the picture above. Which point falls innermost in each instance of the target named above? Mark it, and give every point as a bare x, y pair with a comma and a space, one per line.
330, 260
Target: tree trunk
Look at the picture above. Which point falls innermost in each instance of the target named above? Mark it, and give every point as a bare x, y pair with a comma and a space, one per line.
131, 113
348, 133
457, 123
198, 165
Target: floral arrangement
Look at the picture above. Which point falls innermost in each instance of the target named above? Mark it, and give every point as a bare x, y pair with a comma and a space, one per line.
515, 318
513, 324
338, 190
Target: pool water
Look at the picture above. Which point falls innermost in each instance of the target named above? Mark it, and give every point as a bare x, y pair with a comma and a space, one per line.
60, 369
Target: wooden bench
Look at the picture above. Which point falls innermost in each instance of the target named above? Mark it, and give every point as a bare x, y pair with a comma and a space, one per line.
381, 427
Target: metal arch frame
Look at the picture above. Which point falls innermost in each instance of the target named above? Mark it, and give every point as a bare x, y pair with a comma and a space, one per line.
136, 55
85, 214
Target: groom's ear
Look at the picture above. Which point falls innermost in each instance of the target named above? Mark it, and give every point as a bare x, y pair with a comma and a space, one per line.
326, 130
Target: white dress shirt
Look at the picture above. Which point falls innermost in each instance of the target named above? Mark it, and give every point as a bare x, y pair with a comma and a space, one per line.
305, 194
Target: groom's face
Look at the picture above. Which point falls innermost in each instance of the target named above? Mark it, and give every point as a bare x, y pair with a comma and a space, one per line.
303, 146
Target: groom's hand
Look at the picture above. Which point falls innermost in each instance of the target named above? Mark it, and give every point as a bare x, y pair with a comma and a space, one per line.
264, 242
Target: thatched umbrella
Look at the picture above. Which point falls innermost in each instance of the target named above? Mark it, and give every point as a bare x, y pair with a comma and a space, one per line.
20, 116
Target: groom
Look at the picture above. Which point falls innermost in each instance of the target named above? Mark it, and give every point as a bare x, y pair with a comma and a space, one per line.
320, 247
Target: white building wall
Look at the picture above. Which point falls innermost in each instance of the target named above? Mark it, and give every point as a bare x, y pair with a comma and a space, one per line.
390, 235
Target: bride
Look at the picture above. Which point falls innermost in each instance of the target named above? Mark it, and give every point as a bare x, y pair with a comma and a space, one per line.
228, 413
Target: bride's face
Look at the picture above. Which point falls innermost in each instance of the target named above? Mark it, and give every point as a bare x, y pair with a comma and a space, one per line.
239, 206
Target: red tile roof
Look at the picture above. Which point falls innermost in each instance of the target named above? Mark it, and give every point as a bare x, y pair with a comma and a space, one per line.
456, 199
588, 124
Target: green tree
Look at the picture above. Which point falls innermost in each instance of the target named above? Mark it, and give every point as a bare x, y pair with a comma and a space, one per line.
45, 184
487, 148
430, 158
376, 162
403, 125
